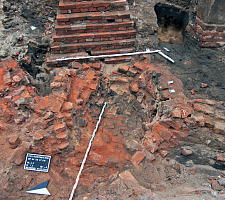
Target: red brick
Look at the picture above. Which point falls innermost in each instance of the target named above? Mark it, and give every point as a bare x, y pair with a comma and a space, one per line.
187, 28
199, 31
194, 27
96, 66
83, 9
137, 158
75, 10
100, 8
220, 28
66, 6
199, 22
208, 28
193, 33
206, 33
101, 30
222, 35
125, 24
100, 4
100, 35
63, 11
215, 34
94, 26
92, 9
84, 5
122, 28
221, 40
210, 39
86, 35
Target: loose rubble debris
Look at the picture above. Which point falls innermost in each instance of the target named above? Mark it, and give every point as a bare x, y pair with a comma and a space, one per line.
142, 121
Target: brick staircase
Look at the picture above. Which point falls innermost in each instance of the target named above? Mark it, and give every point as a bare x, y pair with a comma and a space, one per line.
92, 28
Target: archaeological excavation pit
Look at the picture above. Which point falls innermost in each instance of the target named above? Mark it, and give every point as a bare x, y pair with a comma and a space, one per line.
172, 22
161, 135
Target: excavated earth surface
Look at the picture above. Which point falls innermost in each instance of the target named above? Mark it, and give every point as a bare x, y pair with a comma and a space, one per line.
152, 142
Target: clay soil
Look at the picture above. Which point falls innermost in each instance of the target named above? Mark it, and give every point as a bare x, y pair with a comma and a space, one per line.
135, 123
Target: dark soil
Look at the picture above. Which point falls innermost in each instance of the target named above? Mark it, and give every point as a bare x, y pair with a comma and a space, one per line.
195, 65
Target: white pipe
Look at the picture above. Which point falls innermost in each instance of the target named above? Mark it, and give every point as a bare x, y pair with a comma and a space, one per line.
165, 56
117, 55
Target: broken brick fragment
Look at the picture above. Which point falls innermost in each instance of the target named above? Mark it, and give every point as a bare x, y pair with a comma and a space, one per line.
123, 69
14, 141
20, 152
138, 66
137, 158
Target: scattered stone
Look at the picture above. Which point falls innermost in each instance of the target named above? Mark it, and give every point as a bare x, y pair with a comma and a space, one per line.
101, 198
138, 66
96, 66
85, 66
8, 116
132, 145
189, 163
216, 186
20, 152
203, 85
209, 122
28, 180
38, 137
128, 179
79, 101
192, 92
186, 151
17, 79
222, 181
123, 69
207, 142
163, 153
48, 115
76, 65
176, 113
62, 146
137, 158
132, 72
134, 87
219, 127
67, 107
19, 186
60, 127
192, 172
14, 141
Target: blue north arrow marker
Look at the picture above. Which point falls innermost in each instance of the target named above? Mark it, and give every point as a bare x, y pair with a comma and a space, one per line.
40, 189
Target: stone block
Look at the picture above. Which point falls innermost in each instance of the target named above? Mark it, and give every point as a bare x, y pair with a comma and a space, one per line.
219, 127
20, 152
137, 158
128, 179
216, 186
14, 141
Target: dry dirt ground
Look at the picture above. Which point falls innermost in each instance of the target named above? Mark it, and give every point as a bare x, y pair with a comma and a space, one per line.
151, 144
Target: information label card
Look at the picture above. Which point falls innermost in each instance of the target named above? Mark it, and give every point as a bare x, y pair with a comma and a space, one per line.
35, 162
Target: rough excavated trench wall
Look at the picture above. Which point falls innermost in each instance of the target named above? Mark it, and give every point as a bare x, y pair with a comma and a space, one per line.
205, 21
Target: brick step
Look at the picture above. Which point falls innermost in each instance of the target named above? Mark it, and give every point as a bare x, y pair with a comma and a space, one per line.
69, 1
89, 28
93, 46
91, 6
93, 37
112, 51
94, 17
51, 61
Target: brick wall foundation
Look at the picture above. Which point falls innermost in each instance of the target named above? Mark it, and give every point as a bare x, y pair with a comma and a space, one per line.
207, 35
